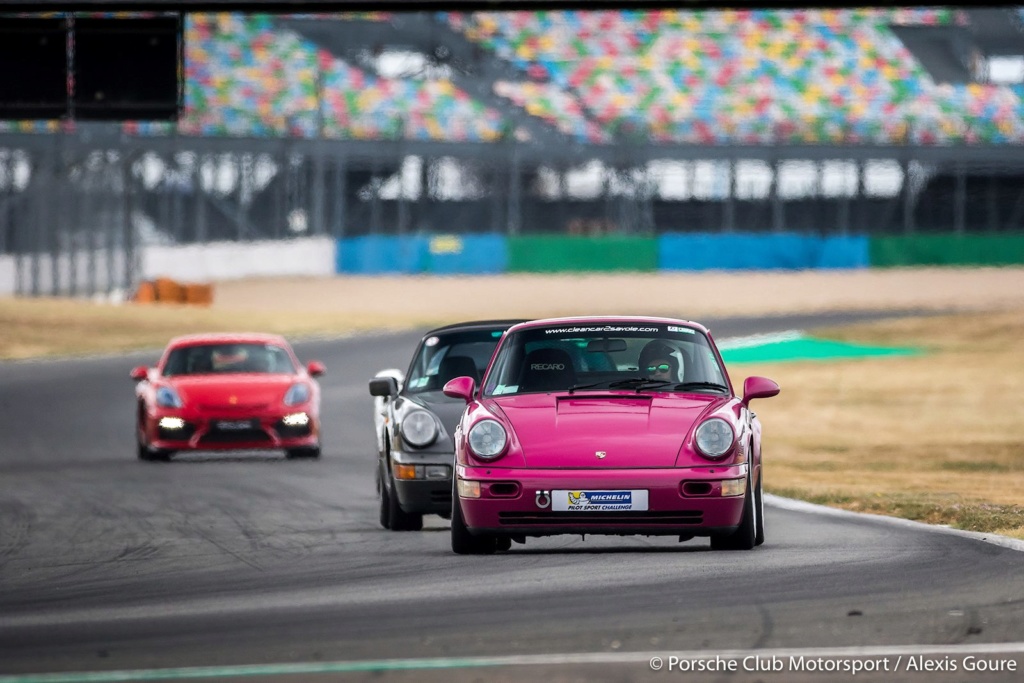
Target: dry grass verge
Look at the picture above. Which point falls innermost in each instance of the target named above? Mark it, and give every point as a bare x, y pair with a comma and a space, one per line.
58, 327
303, 306
935, 437
690, 295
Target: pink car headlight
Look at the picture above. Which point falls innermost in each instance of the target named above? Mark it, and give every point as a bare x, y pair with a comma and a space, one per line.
714, 437
487, 439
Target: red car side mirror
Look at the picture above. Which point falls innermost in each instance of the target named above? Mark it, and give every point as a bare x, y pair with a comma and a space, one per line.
758, 387
460, 387
140, 373
315, 368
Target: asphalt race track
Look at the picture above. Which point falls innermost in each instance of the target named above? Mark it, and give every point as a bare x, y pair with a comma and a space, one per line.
267, 569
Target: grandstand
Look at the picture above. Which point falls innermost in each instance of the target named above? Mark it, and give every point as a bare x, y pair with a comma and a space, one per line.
349, 124
726, 77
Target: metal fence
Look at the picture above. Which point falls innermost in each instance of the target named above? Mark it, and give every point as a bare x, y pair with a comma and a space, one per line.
75, 207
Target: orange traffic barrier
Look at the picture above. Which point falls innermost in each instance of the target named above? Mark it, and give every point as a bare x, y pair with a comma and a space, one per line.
165, 290
146, 293
199, 295
169, 291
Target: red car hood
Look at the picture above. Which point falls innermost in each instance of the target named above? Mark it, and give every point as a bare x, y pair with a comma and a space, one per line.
234, 391
631, 430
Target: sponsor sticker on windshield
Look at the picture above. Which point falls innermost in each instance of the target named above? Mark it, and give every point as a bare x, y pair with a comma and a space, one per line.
600, 328
676, 328
432, 341
599, 501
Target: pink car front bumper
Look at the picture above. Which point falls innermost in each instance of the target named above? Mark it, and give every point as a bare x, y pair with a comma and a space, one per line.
519, 501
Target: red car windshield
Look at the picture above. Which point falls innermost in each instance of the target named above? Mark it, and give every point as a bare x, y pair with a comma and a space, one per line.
617, 356
205, 359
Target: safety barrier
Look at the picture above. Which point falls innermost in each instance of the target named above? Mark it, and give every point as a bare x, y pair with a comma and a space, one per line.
751, 251
435, 254
554, 254
991, 249
444, 254
493, 253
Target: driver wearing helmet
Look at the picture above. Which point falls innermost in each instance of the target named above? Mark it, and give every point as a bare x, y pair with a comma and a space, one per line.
659, 361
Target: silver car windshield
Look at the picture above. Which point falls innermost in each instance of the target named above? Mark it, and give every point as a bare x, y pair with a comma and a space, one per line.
444, 357
644, 356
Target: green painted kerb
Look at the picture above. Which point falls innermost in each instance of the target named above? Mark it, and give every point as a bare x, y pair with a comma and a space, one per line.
807, 348
307, 668
543, 254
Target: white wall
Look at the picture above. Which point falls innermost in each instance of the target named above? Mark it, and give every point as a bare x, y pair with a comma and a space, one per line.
105, 272
6, 275
234, 260
190, 263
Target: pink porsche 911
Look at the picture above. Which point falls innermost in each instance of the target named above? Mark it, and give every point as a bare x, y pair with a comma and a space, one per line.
228, 392
607, 426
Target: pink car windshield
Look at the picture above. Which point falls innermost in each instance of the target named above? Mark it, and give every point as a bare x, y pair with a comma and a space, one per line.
639, 356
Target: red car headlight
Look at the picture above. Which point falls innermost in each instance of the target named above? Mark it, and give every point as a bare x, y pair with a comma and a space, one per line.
297, 393
487, 439
167, 397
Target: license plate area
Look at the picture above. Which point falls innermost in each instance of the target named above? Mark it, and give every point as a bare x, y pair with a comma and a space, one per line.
234, 425
603, 500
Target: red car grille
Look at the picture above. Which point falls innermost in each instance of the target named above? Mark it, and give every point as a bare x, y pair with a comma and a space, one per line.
233, 409
252, 434
539, 518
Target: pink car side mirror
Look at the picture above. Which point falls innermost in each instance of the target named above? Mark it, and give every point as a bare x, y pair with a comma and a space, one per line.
758, 387
460, 387
315, 368
140, 373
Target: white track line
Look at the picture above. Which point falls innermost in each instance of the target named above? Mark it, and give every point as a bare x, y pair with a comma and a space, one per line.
814, 509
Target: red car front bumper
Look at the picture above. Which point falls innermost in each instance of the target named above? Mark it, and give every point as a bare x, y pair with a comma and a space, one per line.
520, 501
232, 432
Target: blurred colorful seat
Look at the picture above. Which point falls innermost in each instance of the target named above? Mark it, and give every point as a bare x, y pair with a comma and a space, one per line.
834, 76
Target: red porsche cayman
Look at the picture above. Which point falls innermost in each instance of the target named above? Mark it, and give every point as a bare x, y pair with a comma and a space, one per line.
228, 392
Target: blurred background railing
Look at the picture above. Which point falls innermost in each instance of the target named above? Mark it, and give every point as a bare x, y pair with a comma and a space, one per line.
625, 123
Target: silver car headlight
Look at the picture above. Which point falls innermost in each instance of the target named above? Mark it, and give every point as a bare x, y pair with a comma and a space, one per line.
487, 439
714, 437
419, 428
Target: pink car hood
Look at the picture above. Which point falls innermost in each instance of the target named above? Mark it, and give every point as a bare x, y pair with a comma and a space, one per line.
631, 430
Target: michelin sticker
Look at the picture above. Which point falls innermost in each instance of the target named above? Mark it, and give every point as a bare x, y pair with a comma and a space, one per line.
598, 501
